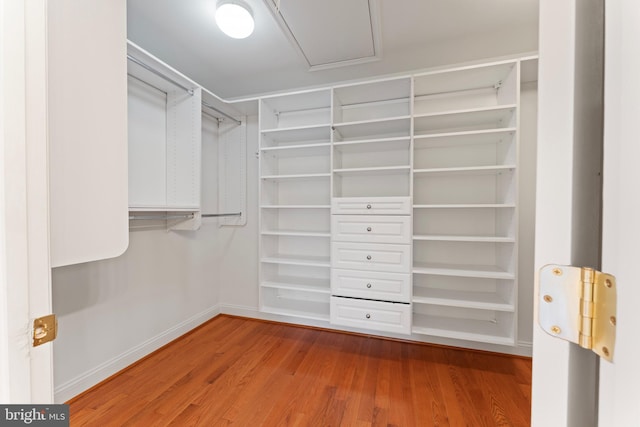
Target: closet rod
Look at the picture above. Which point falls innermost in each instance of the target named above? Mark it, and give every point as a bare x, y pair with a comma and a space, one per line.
159, 74
211, 107
160, 217
221, 214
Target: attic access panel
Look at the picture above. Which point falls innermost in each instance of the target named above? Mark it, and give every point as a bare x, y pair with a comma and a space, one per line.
331, 33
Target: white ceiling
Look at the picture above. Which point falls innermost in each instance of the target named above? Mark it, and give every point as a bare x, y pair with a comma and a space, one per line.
414, 34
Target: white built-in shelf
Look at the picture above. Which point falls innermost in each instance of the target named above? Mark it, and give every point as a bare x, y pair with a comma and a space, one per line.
480, 239
296, 177
463, 329
469, 119
167, 209
378, 171
461, 270
311, 134
464, 299
373, 144
305, 284
295, 206
306, 260
299, 308
307, 149
373, 92
315, 99
483, 136
466, 206
367, 129
470, 170
295, 233
462, 79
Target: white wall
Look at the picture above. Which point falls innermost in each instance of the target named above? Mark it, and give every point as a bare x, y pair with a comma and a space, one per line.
238, 246
113, 312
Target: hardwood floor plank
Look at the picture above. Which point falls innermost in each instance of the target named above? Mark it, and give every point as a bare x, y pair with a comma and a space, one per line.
253, 373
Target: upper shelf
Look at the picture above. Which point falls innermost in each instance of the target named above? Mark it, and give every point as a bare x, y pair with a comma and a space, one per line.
295, 110
373, 100
466, 120
492, 76
312, 134
369, 129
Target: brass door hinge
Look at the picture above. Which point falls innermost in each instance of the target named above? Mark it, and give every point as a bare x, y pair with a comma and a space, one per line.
45, 329
579, 305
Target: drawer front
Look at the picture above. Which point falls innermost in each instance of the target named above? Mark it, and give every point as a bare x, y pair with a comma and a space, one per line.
371, 205
376, 315
371, 257
371, 285
371, 229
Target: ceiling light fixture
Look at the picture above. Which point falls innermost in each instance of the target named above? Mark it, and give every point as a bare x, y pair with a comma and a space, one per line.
235, 19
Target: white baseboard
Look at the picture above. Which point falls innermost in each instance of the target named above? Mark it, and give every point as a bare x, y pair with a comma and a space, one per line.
83, 382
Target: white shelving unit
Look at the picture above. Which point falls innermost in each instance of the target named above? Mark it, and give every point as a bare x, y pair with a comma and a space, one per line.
295, 198
371, 224
164, 130
465, 203
372, 139
392, 205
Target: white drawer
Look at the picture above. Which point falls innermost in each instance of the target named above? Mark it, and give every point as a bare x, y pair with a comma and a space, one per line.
371, 257
371, 285
376, 315
371, 205
371, 229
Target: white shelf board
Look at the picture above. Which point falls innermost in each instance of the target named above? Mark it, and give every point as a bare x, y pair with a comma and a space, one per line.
292, 233
311, 148
383, 170
396, 126
461, 79
305, 284
376, 91
295, 176
318, 99
463, 329
320, 132
311, 261
489, 116
476, 300
303, 309
295, 206
369, 145
462, 270
484, 136
467, 170
163, 209
449, 238
467, 206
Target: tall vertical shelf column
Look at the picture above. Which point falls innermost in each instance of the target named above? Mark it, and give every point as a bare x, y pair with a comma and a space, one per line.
371, 222
295, 175
465, 203
164, 133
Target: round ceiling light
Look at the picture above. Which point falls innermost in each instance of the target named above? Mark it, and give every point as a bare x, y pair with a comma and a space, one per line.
235, 19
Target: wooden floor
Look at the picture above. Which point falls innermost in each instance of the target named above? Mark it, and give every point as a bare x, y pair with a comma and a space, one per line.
253, 373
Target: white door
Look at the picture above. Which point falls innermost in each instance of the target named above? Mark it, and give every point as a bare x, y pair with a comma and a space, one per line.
571, 387
25, 285
63, 172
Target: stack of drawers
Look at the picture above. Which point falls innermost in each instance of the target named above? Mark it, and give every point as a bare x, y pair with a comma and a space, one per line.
371, 263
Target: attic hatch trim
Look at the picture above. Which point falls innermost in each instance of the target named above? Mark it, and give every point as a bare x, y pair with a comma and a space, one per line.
376, 36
